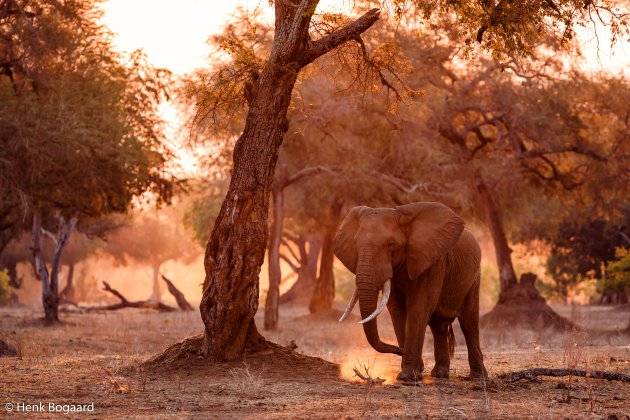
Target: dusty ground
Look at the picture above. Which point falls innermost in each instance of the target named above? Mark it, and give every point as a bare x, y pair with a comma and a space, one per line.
97, 358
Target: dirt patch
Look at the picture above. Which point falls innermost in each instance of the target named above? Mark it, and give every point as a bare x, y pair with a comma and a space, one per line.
101, 358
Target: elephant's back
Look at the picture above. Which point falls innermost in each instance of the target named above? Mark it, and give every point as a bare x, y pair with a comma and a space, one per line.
468, 246
464, 259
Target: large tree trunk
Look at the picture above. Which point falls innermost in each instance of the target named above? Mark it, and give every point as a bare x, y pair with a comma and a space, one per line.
50, 281
324, 292
502, 250
236, 248
520, 303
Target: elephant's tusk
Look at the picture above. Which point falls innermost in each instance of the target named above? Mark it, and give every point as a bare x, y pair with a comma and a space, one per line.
387, 288
353, 301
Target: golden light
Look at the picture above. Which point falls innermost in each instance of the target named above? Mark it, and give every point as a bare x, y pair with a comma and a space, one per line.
173, 35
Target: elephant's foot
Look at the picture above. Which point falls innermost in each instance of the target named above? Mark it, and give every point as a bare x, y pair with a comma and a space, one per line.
410, 374
477, 374
440, 372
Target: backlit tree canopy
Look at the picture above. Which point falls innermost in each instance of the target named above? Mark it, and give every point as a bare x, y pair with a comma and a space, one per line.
80, 134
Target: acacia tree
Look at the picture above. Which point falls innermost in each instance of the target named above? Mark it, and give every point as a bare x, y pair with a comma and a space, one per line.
80, 132
235, 251
153, 238
236, 248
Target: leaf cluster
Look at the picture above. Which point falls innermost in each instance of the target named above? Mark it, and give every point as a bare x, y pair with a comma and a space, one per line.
80, 129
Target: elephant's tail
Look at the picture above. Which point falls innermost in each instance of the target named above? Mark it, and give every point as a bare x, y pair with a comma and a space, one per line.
451, 341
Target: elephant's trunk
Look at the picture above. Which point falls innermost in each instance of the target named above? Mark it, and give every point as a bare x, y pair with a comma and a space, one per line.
368, 288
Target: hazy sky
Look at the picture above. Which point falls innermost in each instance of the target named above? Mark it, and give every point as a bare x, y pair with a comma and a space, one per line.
173, 34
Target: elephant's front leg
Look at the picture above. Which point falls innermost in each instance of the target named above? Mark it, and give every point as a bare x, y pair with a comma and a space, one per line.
412, 365
440, 332
397, 311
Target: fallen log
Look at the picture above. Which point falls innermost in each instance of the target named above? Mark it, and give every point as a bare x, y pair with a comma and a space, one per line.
535, 372
179, 296
124, 303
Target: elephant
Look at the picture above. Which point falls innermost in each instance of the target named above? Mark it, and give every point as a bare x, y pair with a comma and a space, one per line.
427, 265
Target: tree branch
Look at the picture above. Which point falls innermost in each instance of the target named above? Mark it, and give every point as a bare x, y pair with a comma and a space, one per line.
293, 254
375, 67
404, 185
313, 170
340, 36
289, 262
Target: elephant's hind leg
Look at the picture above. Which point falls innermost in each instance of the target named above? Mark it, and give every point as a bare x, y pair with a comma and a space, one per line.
440, 349
469, 322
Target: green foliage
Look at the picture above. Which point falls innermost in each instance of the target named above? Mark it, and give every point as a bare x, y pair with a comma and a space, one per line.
215, 97
617, 277
80, 129
5, 288
582, 249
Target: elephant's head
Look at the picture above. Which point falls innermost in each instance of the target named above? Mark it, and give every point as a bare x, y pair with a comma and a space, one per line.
372, 243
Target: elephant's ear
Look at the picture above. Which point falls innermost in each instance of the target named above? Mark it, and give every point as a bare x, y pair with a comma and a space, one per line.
433, 230
344, 245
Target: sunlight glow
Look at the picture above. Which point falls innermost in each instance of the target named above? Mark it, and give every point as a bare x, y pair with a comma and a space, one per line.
173, 35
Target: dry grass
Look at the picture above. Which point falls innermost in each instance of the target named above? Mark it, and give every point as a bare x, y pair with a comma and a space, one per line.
96, 357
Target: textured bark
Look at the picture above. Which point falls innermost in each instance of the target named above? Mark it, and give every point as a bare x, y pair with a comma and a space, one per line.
324, 292
503, 252
50, 281
236, 248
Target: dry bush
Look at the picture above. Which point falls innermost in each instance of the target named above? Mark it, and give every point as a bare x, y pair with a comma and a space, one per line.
247, 381
115, 385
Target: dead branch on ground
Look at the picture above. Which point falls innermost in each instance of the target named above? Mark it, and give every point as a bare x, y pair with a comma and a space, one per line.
179, 296
535, 372
124, 303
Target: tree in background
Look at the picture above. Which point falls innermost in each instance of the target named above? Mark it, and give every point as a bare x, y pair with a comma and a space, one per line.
616, 285
585, 248
5, 288
80, 132
153, 238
